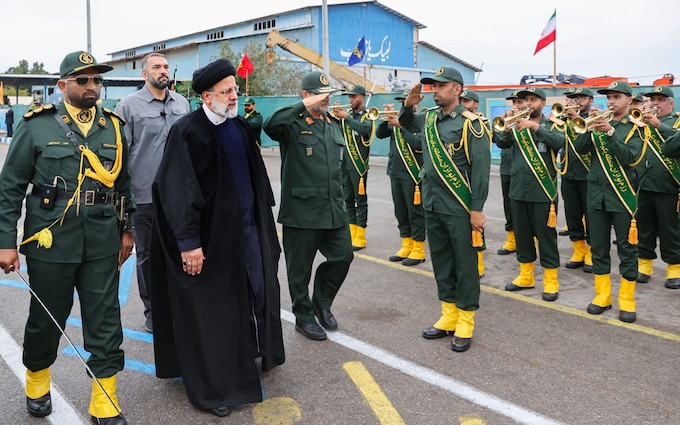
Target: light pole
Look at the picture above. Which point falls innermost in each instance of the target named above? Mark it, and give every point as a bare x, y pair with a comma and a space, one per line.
89, 30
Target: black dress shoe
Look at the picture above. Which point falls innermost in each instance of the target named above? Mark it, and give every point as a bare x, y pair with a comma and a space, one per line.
587, 268
411, 262
395, 258
221, 411
563, 233
39, 407
642, 278
434, 333
460, 344
574, 264
311, 331
596, 309
513, 287
627, 316
116, 420
326, 318
672, 283
503, 251
548, 296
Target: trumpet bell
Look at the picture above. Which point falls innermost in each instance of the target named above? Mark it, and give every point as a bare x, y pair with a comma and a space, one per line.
374, 114
581, 125
637, 114
501, 124
558, 109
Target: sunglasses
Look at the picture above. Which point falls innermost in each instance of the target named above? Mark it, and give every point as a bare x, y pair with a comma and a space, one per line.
82, 80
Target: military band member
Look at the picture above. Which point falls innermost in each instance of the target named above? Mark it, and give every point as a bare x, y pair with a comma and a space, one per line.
616, 147
658, 196
312, 211
574, 186
456, 163
510, 245
358, 132
75, 156
403, 166
254, 118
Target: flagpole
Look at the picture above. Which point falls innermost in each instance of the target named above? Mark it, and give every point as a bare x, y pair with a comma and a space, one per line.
555, 63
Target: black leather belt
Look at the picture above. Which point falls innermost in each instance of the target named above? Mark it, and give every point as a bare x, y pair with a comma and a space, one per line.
87, 197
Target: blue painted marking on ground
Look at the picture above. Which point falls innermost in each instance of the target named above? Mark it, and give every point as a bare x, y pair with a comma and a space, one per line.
130, 364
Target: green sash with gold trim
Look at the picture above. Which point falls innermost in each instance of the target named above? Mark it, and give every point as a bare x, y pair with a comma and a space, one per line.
585, 159
353, 150
615, 175
655, 141
443, 163
535, 161
407, 156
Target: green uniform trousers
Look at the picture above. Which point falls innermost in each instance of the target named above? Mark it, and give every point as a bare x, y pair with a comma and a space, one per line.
601, 222
575, 197
454, 259
507, 209
530, 220
410, 218
97, 284
357, 205
658, 216
300, 246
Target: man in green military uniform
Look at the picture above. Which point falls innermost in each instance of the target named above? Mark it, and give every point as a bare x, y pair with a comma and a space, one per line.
510, 245
658, 196
616, 146
254, 118
533, 192
73, 214
312, 209
456, 166
358, 131
404, 163
574, 185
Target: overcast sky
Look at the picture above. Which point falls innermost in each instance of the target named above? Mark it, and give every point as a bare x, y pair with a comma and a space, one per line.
638, 40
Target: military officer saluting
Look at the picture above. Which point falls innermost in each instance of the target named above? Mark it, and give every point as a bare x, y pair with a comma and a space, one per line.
657, 215
75, 157
312, 209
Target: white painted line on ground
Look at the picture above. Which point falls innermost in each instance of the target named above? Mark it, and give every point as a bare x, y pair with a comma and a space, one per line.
432, 377
62, 412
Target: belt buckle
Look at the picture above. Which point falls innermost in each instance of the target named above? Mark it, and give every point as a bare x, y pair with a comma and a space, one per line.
89, 197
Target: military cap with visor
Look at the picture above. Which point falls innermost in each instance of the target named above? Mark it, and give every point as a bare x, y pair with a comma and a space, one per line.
578, 91
403, 95
513, 95
75, 62
469, 95
537, 91
317, 82
356, 89
248, 101
444, 75
617, 86
662, 90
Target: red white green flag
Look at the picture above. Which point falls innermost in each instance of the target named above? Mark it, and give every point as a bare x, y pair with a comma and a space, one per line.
549, 33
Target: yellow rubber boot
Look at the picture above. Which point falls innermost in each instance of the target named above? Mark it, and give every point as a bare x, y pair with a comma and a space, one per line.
359, 239
352, 231
551, 285
588, 260
603, 295
480, 263
627, 301
525, 279
510, 244
404, 251
578, 257
37, 383
464, 330
645, 270
672, 276
417, 254
100, 405
449, 317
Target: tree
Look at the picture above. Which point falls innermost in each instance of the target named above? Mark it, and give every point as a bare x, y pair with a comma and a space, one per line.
280, 78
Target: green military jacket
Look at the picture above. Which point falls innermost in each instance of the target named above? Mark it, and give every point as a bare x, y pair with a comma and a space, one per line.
41, 153
395, 164
506, 156
654, 176
363, 134
601, 195
255, 121
523, 183
312, 152
436, 196
672, 146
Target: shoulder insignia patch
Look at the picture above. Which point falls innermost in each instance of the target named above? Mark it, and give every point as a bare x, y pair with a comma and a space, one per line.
113, 114
37, 111
470, 115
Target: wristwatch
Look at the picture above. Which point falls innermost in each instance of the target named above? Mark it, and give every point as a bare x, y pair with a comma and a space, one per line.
130, 230
610, 133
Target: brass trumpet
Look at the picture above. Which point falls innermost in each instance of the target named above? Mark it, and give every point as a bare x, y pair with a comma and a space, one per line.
500, 123
374, 114
558, 109
637, 114
581, 125
349, 105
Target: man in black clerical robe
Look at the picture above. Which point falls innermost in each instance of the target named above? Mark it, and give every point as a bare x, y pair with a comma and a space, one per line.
214, 253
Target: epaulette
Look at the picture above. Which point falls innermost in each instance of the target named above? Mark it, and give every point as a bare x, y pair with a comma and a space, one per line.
556, 120
37, 111
113, 114
470, 115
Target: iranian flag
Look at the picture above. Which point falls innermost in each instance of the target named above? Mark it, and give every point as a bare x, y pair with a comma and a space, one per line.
549, 33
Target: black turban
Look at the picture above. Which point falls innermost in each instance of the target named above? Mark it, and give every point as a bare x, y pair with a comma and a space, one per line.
212, 73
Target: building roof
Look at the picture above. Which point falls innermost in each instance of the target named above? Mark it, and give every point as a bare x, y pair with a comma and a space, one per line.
450, 56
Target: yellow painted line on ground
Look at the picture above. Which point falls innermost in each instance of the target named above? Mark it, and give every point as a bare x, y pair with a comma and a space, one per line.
277, 411
540, 303
471, 420
376, 399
